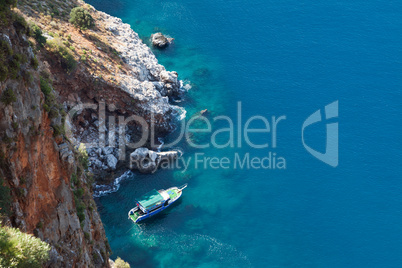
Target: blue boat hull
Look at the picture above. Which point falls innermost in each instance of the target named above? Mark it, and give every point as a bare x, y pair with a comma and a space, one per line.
148, 215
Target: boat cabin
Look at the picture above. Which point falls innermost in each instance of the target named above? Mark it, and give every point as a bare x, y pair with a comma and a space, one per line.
153, 200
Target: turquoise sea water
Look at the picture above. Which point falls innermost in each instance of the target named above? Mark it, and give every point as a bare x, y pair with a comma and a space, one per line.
278, 58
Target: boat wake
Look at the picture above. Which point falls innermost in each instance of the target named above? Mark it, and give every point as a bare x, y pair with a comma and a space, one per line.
205, 248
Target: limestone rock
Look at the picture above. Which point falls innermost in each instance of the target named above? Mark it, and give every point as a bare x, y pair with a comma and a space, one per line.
171, 83
160, 41
147, 161
111, 161
107, 150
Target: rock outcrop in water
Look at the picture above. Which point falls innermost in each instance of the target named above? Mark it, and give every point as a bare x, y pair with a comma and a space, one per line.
147, 161
160, 41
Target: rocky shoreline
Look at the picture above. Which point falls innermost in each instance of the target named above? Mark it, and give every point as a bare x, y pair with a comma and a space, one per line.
148, 84
42, 160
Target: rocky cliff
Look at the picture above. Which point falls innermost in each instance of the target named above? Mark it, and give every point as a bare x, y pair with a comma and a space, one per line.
50, 195
116, 72
49, 176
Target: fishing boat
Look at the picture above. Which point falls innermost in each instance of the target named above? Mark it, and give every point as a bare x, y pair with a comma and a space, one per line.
154, 202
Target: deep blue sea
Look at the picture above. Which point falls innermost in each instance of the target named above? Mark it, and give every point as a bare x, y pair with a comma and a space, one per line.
278, 58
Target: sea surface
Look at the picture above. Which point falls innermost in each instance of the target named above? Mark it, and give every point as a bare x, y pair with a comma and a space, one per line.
277, 58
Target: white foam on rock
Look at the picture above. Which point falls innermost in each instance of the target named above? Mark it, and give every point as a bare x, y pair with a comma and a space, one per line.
179, 112
102, 190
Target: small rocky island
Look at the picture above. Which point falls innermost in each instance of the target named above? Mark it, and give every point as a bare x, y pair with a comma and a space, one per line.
161, 41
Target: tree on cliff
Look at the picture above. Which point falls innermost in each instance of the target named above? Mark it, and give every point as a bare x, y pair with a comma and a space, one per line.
18, 249
81, 18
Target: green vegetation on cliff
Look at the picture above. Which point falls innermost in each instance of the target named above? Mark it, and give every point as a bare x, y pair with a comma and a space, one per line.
5, 199
29, 65
119, 263
10, 61
19, 249
8, 96
52, 107
36, 33
63, 53
5, 4
81, 18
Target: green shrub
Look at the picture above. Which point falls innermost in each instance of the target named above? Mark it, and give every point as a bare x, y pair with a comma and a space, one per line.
20, 24
87, 235
46, 107
81, 18
5, 50
8, 96
14, 64
119, 263
46, 75
5, 4
79, 205
14, 67
79, 192
64, 54
3, 72
83, 156
58, 130
5, 13
21, 58
3, 18
74, 179
5, 56
34, 63
36, 33
28, 77
50, 105
19, 249
5, 199
54, 112
45, 87
39, 225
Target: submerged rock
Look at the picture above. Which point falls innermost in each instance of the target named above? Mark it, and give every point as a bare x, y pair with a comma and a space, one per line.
160, 41
147, 161
204, 112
